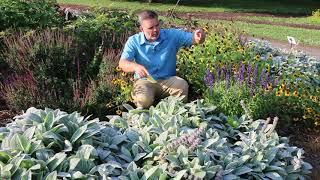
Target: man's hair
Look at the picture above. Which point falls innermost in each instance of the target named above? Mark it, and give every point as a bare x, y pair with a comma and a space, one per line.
146, 14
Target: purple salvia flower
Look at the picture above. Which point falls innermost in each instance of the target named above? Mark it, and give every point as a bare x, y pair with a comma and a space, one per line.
241, 73
267, 78
209, 78
227, 78
249, 69
262, 79
253, 80
218, 72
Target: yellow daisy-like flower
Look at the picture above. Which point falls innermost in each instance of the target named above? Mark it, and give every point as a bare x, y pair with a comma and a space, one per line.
119, 112
309, 110
118, 69
123, 74
295, 93
109, 104
314, 98
279, 93
268, 68
269, 87
206, 29
114, 81
257, 57
270, 57
287, 93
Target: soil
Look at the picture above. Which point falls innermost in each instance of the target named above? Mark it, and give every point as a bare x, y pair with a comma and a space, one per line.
299, 136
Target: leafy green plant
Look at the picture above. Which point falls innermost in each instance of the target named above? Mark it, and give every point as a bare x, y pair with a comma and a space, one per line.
316, 13
29, 14
191, 141
53, 144
71, 68
299, 90
170, 140
220, 46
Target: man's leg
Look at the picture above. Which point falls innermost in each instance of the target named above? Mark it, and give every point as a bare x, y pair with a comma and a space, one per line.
174, 86
144, 92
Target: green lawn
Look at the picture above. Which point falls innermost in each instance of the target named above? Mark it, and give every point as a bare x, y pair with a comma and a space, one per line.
291, 20
306, 36
270, 6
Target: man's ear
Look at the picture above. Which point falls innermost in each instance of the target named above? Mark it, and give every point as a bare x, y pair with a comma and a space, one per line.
140, 28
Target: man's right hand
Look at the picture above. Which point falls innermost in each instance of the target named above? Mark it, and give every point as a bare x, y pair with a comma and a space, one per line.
129, 66
141, 71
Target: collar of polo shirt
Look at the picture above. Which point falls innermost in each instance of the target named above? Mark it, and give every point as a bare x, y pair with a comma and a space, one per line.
143, 39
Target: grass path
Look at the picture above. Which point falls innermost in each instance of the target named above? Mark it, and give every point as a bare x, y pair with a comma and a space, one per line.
262, 25
294, 7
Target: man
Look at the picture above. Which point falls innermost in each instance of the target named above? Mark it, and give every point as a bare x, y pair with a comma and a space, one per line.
151, 55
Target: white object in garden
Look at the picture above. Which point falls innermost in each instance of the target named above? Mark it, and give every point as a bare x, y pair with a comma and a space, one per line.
293, 43
291, 40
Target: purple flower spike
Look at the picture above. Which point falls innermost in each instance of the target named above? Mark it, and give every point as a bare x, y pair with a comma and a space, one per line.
218, 73
253, 80
241, 73
263, 83
209, 78
227, 78
249, 69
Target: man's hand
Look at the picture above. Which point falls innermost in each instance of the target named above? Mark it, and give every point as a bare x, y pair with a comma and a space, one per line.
198, 36
141, 71
129, 66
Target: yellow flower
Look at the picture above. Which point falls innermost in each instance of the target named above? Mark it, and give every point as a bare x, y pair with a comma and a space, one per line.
118, 111
287, 93
123, 74
114, 81
314, 98
279, 93
270, 57
206, 29
118, 69
269, 87
295, 93
257, 57
109, 104
309, 110
268, 68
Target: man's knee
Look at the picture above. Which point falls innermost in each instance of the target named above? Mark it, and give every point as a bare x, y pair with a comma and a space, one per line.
184, 86
143, 100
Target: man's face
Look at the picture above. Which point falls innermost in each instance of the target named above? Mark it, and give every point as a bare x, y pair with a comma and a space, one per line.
150, 29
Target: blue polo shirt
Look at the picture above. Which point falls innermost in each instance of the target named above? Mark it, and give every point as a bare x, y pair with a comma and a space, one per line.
158, 57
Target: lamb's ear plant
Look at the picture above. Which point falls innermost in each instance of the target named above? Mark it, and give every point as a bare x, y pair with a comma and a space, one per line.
51, 144
193, 141
171, 140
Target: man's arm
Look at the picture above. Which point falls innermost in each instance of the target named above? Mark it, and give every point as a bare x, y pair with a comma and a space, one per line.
199, 36
129, 66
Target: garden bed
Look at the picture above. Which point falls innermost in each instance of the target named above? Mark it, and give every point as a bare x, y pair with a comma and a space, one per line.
264, 78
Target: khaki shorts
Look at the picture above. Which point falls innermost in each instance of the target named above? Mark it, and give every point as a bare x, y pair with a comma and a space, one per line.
145, 92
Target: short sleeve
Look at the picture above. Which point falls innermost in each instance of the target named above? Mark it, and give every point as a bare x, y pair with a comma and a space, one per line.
184, 38
129, 50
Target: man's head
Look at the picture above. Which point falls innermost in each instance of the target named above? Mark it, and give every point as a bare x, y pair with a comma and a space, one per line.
149, 24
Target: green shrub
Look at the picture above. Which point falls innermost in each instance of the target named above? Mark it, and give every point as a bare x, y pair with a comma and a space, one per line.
222, 46
316, 13
29, 14
72, 68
